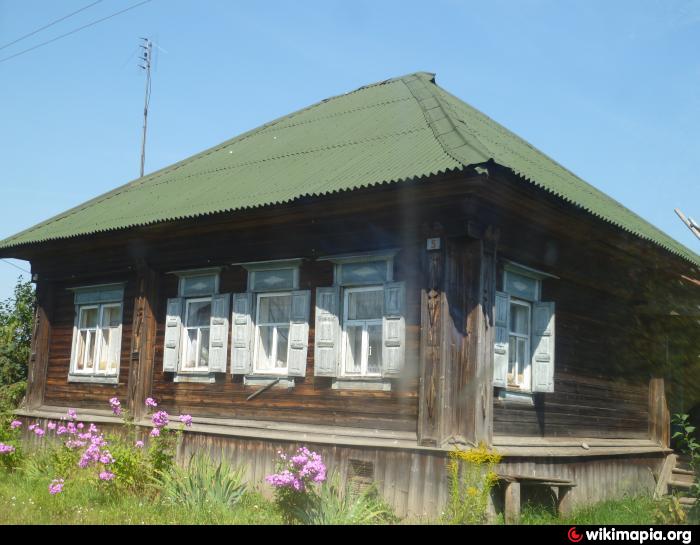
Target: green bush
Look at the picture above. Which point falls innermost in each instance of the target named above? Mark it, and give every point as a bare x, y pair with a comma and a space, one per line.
332, 504
203, 483
472, 478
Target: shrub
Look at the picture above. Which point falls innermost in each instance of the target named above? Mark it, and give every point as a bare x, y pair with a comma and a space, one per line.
690, 446
294, 481
471, 480
334, 504
201, 483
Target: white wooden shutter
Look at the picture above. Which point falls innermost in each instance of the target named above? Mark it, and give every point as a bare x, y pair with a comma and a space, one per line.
327, 332
500, 341
299, 333
218, 332
543, 347
173, 332
394, 329
242, 333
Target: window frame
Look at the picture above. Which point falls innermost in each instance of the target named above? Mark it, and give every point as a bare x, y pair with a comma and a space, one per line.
255, 373
344, 348
527, 366
100, 298
183, 276
511, 268
196, 370
256, 370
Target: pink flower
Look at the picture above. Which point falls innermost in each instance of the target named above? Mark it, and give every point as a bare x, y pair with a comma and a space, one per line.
39, 432
15, 424
186, 419
106, 476
6, 449
72, 415
56, 487
116, 406
51, 425
160, 419
155, 432
138, 444
150, 402
32, 426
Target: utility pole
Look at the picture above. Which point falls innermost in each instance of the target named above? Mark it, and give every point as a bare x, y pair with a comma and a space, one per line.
145, 64
690, 223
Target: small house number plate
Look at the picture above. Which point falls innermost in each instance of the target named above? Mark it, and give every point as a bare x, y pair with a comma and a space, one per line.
433, 244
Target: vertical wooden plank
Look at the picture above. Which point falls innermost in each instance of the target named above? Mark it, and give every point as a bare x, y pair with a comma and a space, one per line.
484, 364
430, 344
143, 340
39, 352
659, 414
512, 503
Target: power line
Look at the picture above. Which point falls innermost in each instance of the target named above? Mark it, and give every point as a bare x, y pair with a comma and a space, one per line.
74, 31
49, 25
16, 266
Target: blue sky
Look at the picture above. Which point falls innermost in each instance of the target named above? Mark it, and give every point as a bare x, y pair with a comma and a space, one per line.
609, 89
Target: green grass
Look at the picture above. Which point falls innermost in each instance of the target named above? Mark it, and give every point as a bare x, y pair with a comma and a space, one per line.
25, 500
630, 510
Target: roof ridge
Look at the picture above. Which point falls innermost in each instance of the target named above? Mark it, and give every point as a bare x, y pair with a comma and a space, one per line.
450, 136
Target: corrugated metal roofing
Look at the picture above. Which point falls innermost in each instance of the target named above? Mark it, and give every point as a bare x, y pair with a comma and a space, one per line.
399, 129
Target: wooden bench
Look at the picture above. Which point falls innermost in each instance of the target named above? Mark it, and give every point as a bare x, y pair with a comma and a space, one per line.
511, 500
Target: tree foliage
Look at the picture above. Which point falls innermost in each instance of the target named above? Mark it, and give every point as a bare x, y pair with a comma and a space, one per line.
16, 318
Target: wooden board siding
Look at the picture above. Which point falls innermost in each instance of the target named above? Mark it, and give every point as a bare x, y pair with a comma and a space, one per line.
312, 400
603, 364
59, 391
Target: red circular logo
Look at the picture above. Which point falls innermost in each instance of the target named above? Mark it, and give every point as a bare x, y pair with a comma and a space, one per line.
573, 535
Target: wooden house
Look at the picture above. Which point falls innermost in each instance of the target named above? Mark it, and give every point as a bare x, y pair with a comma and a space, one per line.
384, 276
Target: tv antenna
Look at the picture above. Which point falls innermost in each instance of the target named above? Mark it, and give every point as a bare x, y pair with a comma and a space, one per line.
690, 223
145, 64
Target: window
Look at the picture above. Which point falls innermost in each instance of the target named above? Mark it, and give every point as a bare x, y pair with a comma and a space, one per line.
97, 330
360, 324
362, 331
196, 332
524, 334
273, 322
195, 356
270, 327
519, 344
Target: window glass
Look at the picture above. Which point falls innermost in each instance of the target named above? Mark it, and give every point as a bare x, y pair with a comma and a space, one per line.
365, 305
97, 343
521, 286
196, 345
362, 330
276, 279
272, 327
370, 272
275, 309
193, 286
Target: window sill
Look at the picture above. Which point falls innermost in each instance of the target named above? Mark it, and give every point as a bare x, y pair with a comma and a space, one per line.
93, 379
361, 384
206, 378
265, 380
516, 396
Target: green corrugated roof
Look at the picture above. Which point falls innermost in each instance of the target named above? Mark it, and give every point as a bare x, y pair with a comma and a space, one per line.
395, 130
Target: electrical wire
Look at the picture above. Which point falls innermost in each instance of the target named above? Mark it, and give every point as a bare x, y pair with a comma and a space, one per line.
16, 266
74, 31
49, 25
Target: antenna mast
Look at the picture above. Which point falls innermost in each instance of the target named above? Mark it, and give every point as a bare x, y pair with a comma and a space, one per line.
145, 64
692, 225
